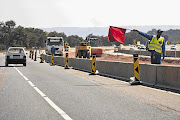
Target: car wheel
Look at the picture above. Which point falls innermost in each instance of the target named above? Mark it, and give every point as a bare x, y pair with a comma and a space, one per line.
24, 64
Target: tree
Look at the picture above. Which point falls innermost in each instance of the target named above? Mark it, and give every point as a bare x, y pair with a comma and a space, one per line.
19, 37
10, 24
131, 36
74, 40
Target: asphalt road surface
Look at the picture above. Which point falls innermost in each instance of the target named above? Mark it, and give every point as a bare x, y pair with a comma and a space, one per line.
43, 92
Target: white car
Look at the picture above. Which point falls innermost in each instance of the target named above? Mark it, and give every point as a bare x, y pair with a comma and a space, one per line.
141, 46
131, 47
173, 47
15, 55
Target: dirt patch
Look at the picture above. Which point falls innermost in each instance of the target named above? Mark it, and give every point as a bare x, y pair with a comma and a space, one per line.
121, 58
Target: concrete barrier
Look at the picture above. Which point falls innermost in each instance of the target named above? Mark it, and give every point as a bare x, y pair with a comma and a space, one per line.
101, 66
168, 76
59, 60
157, 75
115, 69
47, 58
82, 64
148, 74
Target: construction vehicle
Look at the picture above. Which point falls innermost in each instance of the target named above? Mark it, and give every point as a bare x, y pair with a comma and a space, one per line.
95, 50
88, 48
84, 50
57, 43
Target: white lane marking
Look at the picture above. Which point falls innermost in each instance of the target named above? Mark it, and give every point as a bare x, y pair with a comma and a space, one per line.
41, 93
49, 101
60, 111
20, 73
25, 78
32, 85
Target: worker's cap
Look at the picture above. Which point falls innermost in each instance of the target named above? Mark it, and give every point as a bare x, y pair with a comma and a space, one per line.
159, 30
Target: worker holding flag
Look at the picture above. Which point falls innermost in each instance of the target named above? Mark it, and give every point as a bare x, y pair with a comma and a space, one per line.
156, 47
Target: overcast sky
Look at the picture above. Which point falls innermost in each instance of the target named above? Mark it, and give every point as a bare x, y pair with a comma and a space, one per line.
90, 13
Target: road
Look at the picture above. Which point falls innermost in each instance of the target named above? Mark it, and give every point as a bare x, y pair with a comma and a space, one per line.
43, 92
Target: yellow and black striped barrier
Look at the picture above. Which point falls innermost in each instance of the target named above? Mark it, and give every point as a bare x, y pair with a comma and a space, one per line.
35, 56
136, 70
41, 57
30, 54
67, 62
52, 59
93, 66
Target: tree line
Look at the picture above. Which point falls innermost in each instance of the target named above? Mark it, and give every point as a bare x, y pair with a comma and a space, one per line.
19, 36
10, 35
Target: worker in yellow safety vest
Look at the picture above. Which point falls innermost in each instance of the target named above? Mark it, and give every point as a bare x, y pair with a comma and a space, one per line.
156, 46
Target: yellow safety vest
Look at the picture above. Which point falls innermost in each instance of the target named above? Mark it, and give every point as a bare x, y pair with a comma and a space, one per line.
156, 44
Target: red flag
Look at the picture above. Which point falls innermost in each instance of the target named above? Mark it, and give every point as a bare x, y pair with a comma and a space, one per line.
116, 34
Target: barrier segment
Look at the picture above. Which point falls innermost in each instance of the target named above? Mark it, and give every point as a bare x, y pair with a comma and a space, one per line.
136, 79
52, 59
32, 55
136, 69
67, 62
41, 57
35, 56
93, 66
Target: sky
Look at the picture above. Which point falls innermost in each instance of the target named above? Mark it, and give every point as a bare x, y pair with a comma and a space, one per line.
90, 13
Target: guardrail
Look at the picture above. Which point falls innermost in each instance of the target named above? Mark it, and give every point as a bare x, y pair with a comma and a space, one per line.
150, 74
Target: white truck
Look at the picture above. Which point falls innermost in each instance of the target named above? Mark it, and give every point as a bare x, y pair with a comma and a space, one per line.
58, 44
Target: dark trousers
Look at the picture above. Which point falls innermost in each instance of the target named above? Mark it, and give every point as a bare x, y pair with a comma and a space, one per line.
155, 58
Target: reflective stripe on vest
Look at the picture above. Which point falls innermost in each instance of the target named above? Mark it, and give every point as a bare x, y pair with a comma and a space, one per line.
156, 44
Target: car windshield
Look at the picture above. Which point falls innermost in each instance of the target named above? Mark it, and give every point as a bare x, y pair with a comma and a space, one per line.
16, 50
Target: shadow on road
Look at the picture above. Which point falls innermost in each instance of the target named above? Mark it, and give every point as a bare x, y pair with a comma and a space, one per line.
11, 66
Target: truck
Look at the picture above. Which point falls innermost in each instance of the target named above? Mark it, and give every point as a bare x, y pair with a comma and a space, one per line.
84, 50
57, 43
95, 50
88, 48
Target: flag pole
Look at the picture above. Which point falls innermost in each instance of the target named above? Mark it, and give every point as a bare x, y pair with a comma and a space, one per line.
127, 29
120, 27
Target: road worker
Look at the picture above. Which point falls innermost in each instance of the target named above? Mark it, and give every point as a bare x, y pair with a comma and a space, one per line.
53, 50
156, 46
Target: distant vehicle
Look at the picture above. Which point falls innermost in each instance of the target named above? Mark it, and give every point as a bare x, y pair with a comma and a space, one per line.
58, 44
88, 48
141, 46
131, 47
15, 55
173, 47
